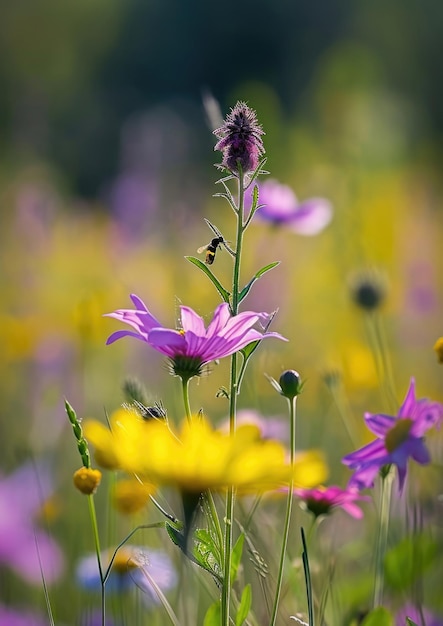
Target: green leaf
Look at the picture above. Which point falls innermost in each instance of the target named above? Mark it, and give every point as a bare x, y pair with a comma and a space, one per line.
205, 269
207, 554
408, 560
249, 349
378, 617
245, 606
213, 615
176, 536
246, 353
308, 582
409, 622
236, 557
246, 289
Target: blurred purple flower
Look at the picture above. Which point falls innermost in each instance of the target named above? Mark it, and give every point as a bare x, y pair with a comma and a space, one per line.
193, 345
414, 614
12, 617
399, 438
321, 500
270, 427
133, 566
281, 208
133, 199
240, 139
23, 546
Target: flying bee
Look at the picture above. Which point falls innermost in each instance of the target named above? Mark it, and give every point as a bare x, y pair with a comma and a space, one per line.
211, 249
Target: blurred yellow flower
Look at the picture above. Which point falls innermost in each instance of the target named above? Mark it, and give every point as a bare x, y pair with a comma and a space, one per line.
199, 457
438, 347
130, 495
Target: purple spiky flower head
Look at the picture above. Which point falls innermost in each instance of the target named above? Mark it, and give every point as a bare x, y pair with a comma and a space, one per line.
240, 139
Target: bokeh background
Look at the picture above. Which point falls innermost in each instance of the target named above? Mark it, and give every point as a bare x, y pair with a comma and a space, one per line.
106, 176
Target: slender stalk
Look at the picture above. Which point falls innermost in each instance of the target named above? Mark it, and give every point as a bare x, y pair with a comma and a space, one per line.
292, 412
382, 537
381, 357
229, 512
97, 551
185, 388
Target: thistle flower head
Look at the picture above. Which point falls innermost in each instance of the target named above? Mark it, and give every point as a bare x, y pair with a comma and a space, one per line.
240, 139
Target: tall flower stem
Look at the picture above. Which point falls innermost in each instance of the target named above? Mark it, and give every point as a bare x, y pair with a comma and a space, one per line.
229, 512
186, 402
292, 413
93, 517
382, 537
381, 357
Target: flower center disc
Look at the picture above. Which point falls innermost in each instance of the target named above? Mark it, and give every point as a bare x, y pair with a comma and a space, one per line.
398, 434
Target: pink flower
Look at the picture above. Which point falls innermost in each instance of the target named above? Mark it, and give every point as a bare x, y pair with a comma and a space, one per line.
281, 208
194, 345
399, 438
24, 547
322, 500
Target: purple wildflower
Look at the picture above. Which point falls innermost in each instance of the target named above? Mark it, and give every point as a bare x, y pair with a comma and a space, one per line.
193, 346
399, 438
321, 500
415, 615
240, 139
13, 617
270, 427
281, 208
132, 566
23, 546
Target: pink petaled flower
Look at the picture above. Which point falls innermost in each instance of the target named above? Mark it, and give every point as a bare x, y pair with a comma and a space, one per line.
13, 617
417, 616
240, 139
399, 438
322, 500
24, 547
281, 208
194, 345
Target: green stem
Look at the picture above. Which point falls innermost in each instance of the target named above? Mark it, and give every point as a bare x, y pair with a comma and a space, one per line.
185, 388
382, 537
97, 551
292, 412
238, 246
229, 512
381, 357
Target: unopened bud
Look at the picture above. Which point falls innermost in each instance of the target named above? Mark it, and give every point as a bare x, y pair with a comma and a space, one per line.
290, 384
87, 480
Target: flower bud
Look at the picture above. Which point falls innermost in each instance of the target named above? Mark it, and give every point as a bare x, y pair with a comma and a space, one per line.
290, 384
87, 480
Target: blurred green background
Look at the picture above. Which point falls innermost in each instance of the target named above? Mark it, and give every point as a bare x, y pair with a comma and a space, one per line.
106, 174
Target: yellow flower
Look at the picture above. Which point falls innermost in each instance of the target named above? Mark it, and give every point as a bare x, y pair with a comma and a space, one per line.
199, 457
438, 347
310, 469
130, 495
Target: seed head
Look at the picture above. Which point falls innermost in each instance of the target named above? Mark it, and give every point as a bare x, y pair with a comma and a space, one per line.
240, 139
